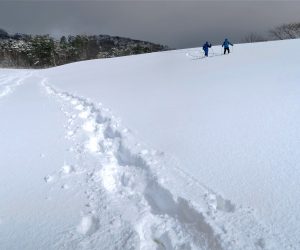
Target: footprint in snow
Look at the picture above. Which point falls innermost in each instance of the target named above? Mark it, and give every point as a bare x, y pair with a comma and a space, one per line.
93, 145
79, 107
65, 186
74, 102
89, 126
84, 114
48, 178
88, 225
67, 169
70, 133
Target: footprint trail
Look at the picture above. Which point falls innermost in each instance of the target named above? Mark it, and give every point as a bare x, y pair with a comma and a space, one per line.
131, 202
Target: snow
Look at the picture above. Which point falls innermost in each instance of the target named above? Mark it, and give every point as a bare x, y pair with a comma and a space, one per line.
206, 155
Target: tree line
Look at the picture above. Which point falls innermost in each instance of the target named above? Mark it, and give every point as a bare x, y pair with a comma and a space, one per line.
39, 51
281, 32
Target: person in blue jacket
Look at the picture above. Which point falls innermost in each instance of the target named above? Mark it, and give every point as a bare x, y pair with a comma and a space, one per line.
205, 47
226, 44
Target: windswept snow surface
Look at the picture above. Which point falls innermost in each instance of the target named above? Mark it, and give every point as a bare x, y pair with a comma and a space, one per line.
206, 155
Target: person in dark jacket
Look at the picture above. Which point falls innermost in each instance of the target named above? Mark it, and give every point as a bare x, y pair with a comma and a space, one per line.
226, 44
205, 47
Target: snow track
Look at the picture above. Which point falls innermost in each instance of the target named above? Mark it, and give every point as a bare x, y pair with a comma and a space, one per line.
9, 83
131, 202
198, 54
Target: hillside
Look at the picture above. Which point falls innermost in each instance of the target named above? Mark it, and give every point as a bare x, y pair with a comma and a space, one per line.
156, 151
42, 51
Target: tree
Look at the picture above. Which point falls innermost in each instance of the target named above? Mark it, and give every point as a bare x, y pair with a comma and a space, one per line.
92, 48
22, 50
63, 41
253, 37
3, 34
138, 49
43, 53
286, 31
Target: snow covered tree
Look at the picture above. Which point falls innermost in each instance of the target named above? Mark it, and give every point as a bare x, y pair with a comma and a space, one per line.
43, 53
286, 31
253, 37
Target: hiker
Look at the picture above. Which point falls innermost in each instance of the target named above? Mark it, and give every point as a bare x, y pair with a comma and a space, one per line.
226, 44
205, 48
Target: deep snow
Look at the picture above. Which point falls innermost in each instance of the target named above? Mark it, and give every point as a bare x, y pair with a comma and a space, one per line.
206, 155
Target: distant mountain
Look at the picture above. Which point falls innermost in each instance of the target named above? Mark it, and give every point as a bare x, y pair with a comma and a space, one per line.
39, 51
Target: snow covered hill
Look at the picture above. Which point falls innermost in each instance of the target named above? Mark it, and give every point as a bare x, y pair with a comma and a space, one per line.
206, 155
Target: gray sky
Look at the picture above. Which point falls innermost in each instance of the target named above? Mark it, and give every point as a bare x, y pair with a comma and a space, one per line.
178, 24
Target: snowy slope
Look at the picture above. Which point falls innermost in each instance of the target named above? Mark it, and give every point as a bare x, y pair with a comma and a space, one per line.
206, 155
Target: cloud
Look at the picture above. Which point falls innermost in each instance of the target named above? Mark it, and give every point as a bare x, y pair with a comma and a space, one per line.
175, 23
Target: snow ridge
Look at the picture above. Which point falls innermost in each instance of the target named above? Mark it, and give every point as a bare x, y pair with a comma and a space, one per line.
127, 185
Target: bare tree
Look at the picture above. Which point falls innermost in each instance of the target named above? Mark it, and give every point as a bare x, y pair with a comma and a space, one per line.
286, 31
253, 37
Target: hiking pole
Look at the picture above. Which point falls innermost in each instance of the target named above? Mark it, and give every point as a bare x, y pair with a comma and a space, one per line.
213, 52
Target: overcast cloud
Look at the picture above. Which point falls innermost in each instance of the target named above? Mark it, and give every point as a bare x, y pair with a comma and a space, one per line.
177, 24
